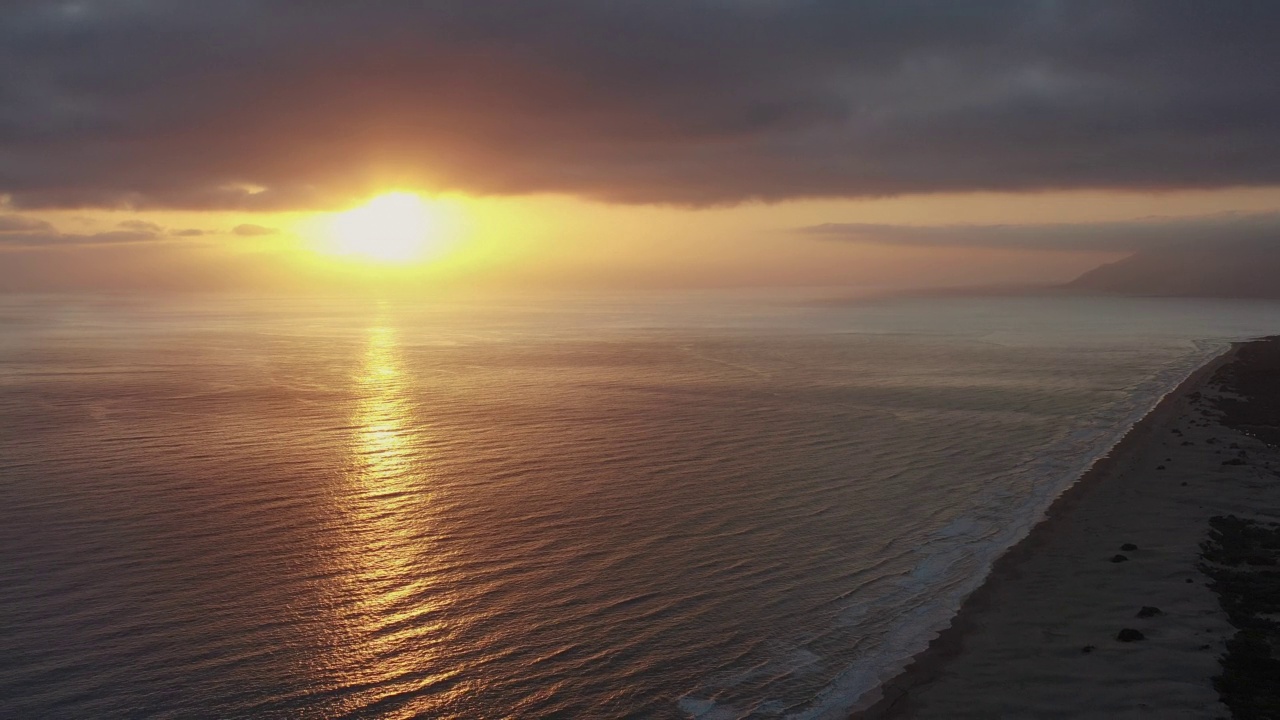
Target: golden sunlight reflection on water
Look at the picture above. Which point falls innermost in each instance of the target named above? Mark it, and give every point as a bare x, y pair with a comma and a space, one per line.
390, 631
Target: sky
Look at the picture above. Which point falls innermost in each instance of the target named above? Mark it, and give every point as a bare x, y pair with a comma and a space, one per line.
577, 144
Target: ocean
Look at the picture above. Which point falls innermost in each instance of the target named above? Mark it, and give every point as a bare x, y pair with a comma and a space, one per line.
707, 506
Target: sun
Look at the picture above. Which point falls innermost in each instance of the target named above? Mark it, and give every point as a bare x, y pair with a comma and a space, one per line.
397, 227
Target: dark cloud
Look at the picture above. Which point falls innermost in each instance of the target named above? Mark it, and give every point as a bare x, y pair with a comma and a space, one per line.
141, 226
1145, 234
250, 230
275, 104
20, 224
188, 232
47, 237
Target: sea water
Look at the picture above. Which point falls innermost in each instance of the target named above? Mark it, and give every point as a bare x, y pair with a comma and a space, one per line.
708, 506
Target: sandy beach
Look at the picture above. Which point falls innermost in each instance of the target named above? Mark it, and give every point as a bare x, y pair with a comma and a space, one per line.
1108, 608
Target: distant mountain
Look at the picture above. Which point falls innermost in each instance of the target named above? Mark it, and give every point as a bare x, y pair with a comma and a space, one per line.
1234, 271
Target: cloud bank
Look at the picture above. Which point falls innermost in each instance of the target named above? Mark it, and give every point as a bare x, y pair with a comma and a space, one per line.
1158, 233
251, 230
26, 233
267, 104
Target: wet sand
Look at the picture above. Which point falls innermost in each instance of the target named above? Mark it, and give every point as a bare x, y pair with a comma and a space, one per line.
1120, 551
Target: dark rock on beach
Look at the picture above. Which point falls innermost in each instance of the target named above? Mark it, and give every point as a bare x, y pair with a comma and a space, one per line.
1242, 554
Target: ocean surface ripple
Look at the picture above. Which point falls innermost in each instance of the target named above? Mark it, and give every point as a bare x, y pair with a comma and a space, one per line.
229, 509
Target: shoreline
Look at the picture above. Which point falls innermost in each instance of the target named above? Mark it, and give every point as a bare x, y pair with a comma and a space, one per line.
977, 655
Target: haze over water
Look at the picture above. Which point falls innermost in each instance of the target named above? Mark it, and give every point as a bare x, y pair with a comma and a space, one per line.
714, 507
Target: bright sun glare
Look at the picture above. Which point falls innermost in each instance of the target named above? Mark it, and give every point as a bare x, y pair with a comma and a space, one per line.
397, 227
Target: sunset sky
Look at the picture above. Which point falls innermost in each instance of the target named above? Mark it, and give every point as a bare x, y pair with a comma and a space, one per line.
601, 145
